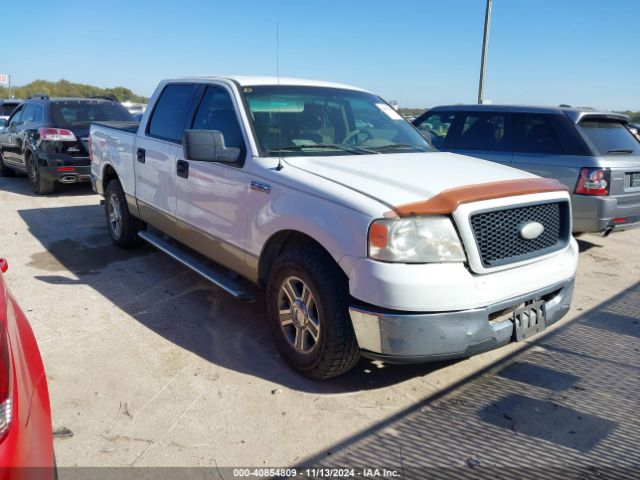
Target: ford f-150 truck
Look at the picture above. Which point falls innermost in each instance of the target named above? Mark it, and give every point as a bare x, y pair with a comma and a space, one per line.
365, 240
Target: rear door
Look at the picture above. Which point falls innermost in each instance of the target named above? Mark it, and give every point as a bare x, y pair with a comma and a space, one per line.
32, 116
212, 196
482, 134
156, 153
8, 138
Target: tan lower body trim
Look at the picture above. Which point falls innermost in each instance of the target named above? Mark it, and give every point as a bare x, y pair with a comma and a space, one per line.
227, 255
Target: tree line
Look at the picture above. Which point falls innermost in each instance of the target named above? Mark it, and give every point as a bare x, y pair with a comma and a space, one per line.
65, 88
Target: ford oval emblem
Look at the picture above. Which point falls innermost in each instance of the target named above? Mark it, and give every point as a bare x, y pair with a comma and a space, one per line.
531, 230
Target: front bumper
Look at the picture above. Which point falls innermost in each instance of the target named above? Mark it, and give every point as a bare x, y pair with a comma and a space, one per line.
600, 214
406, 337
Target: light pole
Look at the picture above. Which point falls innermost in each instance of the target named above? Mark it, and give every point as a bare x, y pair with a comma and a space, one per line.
485, 46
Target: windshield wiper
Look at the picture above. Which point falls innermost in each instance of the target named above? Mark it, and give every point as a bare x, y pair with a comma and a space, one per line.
620, 150
399, 146
335, 146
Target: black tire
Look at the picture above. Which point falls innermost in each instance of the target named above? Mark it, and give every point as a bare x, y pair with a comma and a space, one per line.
123, 230
336, 350
39, 184
4, 170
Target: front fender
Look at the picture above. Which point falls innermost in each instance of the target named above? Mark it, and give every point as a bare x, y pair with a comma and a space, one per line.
340, 230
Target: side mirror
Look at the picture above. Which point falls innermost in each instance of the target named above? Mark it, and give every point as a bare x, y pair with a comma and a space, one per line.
4, 265
208, 146
3, 122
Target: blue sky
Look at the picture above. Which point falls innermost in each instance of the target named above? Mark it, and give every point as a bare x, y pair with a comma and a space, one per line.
420, 53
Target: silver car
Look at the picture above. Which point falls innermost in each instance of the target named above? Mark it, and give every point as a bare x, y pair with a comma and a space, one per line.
593, 153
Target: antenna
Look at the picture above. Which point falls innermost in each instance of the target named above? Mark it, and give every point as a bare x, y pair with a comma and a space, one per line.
280, 164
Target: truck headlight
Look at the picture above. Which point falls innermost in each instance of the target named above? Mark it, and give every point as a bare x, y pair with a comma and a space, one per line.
415, 240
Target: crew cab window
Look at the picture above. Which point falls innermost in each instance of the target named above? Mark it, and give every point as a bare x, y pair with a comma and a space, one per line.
169, 115
488, 131
32, 113
216, 112
16, 117
610, 137
435, 128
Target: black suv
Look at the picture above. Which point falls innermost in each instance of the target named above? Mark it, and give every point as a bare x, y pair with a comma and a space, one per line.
47, 138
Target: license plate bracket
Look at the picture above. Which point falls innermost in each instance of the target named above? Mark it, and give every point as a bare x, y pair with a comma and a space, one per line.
635, 179
529, 320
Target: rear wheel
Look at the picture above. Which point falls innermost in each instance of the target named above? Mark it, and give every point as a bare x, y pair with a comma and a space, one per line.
4, 170
123, 227
308, 303
39, 184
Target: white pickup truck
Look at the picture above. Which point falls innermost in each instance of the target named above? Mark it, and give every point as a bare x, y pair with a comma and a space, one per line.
365, 239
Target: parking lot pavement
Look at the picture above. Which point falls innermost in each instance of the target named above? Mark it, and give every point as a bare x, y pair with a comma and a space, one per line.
564, 407
148, 365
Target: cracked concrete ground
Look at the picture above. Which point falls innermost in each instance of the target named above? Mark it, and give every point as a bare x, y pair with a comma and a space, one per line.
148, 365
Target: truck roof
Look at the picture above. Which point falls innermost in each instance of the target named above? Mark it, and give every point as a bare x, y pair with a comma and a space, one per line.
252, 81
576, 114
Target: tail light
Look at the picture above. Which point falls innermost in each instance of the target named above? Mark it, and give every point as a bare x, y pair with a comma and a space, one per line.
6, 381
594, 181
57, 135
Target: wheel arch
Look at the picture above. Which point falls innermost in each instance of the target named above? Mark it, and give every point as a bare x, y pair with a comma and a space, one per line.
281, 241
108, 173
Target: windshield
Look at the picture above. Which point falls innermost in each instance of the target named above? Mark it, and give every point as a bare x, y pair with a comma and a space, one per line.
610, 137
304, 120
65, 113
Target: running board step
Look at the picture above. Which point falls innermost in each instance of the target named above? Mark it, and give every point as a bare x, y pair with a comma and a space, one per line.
214, 276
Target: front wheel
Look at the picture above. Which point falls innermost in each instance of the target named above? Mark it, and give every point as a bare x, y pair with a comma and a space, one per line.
308, 303
123, 227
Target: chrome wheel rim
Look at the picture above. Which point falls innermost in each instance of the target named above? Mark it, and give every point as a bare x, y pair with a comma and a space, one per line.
298, 315
115, 216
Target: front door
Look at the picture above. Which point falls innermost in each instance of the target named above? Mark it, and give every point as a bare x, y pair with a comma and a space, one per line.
212, 197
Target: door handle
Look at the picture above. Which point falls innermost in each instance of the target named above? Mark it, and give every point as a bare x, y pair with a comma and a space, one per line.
140, 155
182, 168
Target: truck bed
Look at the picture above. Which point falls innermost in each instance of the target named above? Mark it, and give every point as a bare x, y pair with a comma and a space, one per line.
129, 127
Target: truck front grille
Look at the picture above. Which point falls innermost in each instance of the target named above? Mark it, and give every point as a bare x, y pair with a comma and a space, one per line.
498, 232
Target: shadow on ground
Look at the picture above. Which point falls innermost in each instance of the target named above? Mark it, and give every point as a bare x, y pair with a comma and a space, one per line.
584, 245
19, 185
564, 407
177, 304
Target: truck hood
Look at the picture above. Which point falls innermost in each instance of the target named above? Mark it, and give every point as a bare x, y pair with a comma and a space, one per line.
402, 178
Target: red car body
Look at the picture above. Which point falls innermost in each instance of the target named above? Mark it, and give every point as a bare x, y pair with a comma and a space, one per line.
26, 440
